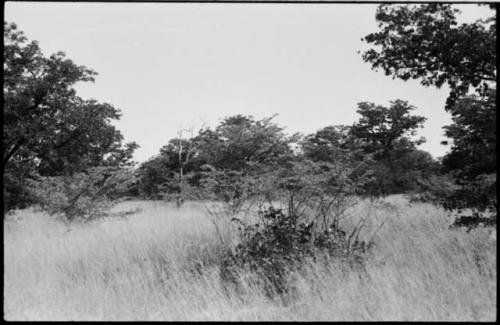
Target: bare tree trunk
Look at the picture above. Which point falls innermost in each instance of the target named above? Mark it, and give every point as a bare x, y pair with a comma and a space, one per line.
180, 198
180, 194
181, 173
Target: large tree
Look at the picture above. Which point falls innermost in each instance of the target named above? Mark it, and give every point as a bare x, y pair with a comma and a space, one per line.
48, 129
240, 141
387, 135
238, 154
474, 136
385, 129
426, 42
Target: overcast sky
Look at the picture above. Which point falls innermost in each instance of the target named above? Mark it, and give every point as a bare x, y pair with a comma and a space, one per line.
172, 65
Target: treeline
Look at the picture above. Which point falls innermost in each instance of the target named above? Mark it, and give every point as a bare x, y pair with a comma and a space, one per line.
227, 162
61, 151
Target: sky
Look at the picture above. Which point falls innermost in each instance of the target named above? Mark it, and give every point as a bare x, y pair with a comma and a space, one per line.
171, 66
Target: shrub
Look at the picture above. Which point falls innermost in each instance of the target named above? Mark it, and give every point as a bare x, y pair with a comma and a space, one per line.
15, 192
84, 196
277, 245
474, 200
315, 197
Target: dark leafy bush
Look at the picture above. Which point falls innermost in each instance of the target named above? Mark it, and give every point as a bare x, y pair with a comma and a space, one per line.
470, 222
478, 194
313, 198
15, 190
435, 189
278, 245
473, 200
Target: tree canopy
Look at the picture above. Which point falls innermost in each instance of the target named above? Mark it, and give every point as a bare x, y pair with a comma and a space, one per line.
473, 131
329, 144
48, 129
241, 140
387, 135
384, 129
426, 42
237, 146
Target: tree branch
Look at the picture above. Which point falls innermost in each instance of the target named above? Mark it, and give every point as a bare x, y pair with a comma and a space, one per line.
12, 151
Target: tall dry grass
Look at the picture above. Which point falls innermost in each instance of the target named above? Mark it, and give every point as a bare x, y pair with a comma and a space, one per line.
163, 264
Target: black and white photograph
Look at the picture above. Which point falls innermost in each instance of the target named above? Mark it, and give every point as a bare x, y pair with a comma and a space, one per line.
249, 161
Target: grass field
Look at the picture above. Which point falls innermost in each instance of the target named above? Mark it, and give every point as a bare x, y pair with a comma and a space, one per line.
162, 264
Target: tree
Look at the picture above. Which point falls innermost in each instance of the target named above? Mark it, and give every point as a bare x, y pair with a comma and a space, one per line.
152, 174
385, 129
329, 144
220, 163
240, 141
474, 136
48, 129
237, 146
386, 135
472, 159
239, 152
425, 42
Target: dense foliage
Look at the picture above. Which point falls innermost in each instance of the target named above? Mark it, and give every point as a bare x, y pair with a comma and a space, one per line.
48, 130
278, 244
386, 135
241, 155
219, 159
426, 42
